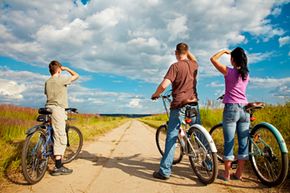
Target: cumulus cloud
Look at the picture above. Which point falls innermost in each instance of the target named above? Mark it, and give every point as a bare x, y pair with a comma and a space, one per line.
126, 36
284, 40
11, 90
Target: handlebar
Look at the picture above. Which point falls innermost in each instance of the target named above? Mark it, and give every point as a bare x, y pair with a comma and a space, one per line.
72, 110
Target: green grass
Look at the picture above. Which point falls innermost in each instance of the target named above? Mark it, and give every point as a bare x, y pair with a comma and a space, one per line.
14, 121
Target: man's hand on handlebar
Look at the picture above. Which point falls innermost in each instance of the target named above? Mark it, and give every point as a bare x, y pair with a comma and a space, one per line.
155, 96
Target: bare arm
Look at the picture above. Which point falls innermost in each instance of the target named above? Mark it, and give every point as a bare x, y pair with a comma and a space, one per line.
219, 66
163, 85
190, 56
73, 74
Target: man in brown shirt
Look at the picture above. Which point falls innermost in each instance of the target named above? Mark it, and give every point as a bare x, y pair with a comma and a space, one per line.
182, 76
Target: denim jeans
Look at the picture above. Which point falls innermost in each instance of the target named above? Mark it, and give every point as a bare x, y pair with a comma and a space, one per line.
235, 119
175, 120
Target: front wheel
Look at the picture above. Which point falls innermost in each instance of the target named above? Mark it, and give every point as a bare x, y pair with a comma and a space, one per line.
34, 159
160, 138
74, 144
201, 156
269, 162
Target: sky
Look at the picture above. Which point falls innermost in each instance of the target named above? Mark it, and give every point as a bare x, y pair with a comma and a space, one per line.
123, 49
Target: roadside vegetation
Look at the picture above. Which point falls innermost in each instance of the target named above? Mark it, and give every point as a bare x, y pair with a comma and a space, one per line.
14, 121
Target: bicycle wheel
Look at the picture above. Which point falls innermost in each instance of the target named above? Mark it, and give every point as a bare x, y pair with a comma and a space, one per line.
160, 138
269, 162
74, 144
216, 133
34, 159
203, 161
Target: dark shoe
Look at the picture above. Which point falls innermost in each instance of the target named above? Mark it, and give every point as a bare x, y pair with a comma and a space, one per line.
61, 171
221, 177
159, 176
234, 177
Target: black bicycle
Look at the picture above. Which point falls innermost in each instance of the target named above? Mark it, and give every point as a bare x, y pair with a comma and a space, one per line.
267, 149
38, 146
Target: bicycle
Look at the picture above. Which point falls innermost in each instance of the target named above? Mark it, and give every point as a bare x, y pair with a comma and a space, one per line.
38, 146
193, 141
268, 152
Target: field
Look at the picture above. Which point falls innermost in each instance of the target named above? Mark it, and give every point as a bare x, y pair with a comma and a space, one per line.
14, 121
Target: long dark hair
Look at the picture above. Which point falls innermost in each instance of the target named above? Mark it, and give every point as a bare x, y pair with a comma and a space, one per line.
240, 59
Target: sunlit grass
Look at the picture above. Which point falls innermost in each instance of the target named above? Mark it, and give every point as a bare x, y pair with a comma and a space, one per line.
14, 121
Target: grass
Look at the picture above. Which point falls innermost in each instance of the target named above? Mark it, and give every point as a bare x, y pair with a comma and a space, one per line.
14, 121
277, 115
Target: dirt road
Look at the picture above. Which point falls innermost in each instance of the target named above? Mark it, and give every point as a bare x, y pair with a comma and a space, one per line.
123, 161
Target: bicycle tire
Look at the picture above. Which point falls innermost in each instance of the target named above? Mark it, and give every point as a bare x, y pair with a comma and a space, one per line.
205, 164
74, 144
38, 161
272, 156
160, 142
216, 133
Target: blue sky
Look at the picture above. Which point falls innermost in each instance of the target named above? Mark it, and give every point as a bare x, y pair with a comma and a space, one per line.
123, 49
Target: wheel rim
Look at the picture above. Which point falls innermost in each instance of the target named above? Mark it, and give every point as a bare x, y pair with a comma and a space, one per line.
36, 162
266, 155
218, 138
162, 140
204, 162
74, 142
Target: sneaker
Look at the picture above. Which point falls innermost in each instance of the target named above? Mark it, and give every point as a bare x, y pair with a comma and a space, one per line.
61, 171
159, 176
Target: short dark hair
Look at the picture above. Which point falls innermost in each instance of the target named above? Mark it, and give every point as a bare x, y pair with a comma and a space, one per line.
53, 66
181, 48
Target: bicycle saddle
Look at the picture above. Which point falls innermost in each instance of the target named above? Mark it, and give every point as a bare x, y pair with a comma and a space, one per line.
255, 105
44, 111
192, 101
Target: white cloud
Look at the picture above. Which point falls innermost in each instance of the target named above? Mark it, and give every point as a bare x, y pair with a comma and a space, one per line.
258, 57
284, 40
126, 36
135, 103
215, 84
11, 89
268, 82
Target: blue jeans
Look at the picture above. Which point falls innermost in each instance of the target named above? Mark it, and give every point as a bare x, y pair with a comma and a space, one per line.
235, 118
175, 120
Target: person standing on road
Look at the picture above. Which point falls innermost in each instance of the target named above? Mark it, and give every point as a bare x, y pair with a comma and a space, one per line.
182, 75
57, 100
235, 118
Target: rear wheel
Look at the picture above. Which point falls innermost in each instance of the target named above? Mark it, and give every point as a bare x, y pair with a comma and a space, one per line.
216, 133
203, 161
34, 159
160, 138
74, 144
269, 162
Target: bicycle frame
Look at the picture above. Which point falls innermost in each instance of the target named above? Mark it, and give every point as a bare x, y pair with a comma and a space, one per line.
185, 148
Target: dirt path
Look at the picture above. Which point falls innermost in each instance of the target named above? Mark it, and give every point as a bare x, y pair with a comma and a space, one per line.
123, 161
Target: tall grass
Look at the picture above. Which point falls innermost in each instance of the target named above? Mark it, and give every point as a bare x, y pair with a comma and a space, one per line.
14, 121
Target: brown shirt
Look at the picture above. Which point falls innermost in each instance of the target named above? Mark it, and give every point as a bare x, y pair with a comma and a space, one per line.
182, 75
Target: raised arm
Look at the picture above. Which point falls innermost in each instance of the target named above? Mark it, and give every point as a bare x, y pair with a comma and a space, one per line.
215, 61
190, 56
163, 85
73, 74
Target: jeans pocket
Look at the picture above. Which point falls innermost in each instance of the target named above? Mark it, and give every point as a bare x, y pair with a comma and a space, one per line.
230, 113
